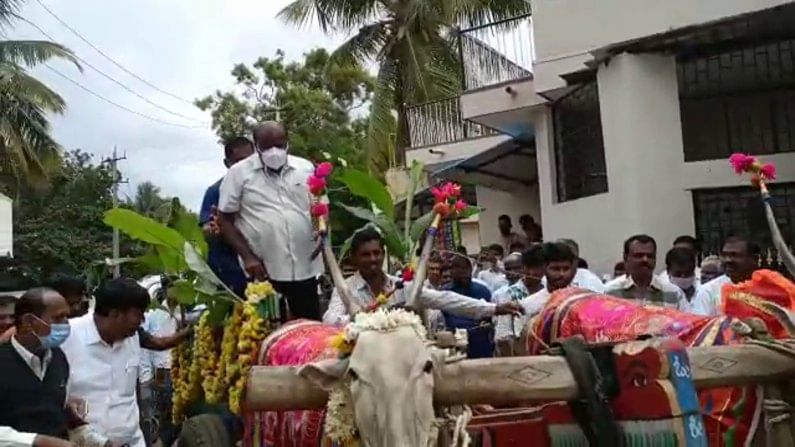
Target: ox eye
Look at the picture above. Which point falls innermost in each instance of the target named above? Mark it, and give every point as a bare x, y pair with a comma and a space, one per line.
353, 374
428, 367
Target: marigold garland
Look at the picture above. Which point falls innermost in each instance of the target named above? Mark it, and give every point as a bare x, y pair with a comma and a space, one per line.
180, 376
208, 360
252, 332
228, 367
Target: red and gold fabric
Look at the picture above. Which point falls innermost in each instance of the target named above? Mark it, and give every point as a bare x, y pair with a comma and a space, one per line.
296, 343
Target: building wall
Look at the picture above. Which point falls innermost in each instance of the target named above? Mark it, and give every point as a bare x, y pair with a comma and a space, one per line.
649, 182
470, 235
6, 227
454, 151
514, 204
565, 31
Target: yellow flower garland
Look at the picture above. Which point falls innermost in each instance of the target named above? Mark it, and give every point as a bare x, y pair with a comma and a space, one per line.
208, 360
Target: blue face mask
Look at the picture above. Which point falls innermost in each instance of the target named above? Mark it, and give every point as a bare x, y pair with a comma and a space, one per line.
59, 332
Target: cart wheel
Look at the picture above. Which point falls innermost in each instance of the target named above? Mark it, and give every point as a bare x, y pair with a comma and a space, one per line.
204, 430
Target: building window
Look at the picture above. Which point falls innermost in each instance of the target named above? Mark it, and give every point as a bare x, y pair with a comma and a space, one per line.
721, 212
579, 148
738, 100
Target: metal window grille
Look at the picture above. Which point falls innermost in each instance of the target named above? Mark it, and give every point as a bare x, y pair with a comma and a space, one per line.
738, 99
579, 147
722, 212
439, 122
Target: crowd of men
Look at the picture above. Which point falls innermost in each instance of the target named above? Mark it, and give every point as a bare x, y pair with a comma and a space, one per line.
75, 375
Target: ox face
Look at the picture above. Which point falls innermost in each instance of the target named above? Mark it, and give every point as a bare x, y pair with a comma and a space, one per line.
390, 376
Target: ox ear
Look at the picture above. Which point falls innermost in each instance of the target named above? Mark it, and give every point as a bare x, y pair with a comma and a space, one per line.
325, 373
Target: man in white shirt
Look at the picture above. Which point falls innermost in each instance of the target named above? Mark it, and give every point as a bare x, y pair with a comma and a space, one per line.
370, 281
491, 272
690, 243
104, 353
560, 265
680, 266
265, 216
740, 259
532, 269
583, 278
640, 283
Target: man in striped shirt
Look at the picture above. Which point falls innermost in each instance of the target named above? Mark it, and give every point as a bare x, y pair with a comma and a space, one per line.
640, 283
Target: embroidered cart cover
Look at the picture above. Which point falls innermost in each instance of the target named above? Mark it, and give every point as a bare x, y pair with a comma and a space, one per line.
730, 414
296, 343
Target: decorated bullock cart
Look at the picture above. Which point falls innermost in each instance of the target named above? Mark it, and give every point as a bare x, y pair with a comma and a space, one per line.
600, 371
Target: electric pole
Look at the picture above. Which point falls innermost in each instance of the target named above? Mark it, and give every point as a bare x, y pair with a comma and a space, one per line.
117, 179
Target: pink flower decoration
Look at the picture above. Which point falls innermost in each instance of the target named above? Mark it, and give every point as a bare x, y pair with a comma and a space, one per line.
408, 274
316, 185
439, 194
442, 208
324, 169
319, 209
455, 190
460, 206
741, 162
768, 171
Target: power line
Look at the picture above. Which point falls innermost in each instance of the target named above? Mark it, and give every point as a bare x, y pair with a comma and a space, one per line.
120, 66
98, 96
112, 79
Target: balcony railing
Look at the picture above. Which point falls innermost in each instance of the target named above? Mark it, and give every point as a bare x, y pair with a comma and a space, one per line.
496, 52
440, 122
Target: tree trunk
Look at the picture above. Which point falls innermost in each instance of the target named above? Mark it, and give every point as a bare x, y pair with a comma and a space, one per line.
402, 138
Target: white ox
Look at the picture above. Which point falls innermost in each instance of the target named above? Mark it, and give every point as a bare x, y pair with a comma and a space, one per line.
390, 379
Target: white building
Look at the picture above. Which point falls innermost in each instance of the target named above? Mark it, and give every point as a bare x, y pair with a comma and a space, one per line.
605, 119
6, 227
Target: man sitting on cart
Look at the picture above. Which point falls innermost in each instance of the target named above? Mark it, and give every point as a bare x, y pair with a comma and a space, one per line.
370, 281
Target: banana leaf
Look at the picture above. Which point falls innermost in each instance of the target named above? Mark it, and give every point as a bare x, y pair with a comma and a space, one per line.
363, 185
394, 243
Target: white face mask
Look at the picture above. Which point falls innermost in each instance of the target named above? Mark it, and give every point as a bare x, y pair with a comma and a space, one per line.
273, 157
683, 283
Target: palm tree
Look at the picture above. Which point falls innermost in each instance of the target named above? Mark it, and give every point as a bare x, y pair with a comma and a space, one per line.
413, 42
27, 150
147, 199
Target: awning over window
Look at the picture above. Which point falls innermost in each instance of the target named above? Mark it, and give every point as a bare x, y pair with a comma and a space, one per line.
508, 165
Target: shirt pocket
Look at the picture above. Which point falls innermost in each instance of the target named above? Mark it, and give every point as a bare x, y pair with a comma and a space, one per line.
130, 378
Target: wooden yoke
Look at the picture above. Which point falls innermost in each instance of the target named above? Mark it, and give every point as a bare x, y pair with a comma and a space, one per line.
524, 380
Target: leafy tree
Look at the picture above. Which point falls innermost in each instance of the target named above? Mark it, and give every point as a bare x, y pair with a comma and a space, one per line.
27, 150
413, 43
314, 99
147, 199
61, 229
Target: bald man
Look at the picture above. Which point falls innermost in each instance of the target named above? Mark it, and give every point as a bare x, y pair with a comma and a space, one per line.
264, 215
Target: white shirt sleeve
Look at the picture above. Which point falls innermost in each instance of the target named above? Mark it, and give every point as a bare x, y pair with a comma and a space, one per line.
591, 282
231, 191
12, 438
704, 303
336, 314
456, 304
503, 329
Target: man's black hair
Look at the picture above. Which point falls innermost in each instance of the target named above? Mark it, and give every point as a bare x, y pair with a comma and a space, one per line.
641, 239
235, 143
504, 217
462, 250
686, 239
460, 260
364, 236
533, 257
121, 294
582, 263
31, 302
751, 246
526, 218
498, 248
67, 285
516, 247
680, 256
558, 252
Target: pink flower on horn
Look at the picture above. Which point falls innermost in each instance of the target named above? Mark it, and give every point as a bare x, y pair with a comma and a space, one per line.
741, 162
319, 209
324, 169
316, 185
460, 206
439, 195
455, 190
442, 208
768, 171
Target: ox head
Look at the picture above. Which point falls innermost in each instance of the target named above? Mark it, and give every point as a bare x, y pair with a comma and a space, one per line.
389, 375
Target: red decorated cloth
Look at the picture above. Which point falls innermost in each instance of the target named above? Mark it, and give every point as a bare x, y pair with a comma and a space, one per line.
731, 414
296, 343
767, 295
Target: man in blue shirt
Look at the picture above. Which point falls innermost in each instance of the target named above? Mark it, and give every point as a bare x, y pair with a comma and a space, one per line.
222, 257
480, 337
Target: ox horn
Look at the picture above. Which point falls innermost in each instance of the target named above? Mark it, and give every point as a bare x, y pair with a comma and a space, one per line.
778, 240
351, 306
422, 266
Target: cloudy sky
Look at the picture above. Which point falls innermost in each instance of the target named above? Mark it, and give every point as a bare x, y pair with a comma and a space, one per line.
183, 47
